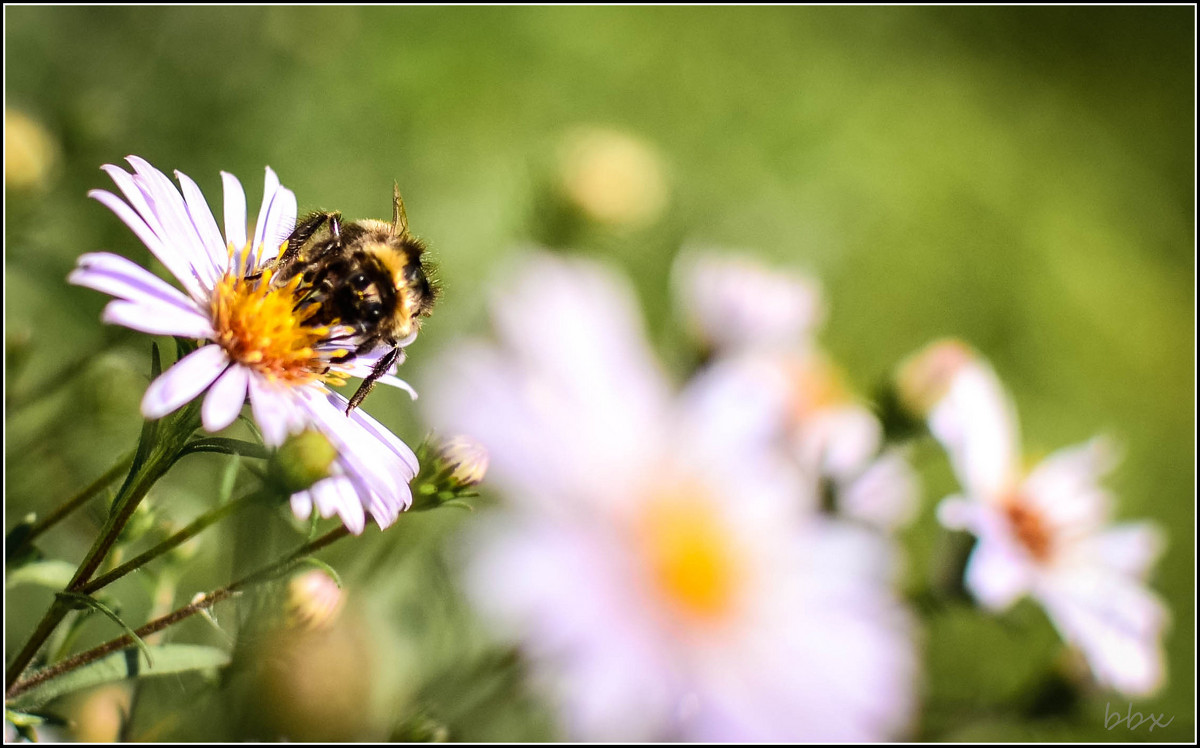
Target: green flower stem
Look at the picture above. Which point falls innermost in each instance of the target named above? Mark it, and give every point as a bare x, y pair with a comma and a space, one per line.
161, 444
184, 535
198, 604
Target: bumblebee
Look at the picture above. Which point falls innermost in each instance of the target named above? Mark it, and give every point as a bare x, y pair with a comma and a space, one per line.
369, 275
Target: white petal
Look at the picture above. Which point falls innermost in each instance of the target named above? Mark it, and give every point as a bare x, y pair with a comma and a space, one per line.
178, 231
977, 425
384, 435
959, 513
341, 497
1065, 485
235, 211
998, 573
885, 494
281, 222
302, 504
365, 458
157, 320
270, 187
206, 228
115, 275
734, 301
270, 407
1129, 548
388, 379
178, 385
174, 262
224, 401
1117, 623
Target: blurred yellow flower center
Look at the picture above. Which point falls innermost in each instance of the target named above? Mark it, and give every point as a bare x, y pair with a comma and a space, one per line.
258, 326
816, 385
691, 557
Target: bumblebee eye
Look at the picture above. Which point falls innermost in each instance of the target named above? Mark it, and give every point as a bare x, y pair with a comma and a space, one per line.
359, 281
373, 312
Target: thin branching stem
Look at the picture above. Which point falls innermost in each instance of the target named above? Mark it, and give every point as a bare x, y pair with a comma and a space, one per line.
198, 604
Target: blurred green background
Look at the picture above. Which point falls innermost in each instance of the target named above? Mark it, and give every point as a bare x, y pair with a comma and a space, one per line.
1021, 178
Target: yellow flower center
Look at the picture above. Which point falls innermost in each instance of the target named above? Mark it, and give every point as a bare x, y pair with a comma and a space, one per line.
259, 327
692, 559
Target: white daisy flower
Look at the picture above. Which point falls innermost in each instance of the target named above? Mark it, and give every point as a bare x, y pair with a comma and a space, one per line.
1044, 532
257, 345
654, 562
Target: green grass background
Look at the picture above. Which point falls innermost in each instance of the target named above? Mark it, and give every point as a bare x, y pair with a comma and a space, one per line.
1022, 178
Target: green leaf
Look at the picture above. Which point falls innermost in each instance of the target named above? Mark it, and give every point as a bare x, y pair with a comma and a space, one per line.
127, 663
54, 574
91, 602
227, 446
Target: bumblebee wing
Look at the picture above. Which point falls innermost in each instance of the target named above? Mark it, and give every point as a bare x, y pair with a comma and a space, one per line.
399, 217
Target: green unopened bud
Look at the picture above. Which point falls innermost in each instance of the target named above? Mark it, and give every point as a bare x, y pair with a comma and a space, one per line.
464, 460
314, 600
303, 460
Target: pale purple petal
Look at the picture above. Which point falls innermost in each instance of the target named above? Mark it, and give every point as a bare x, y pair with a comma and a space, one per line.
337, 495
235, 211
1117, 624
1130, 548
383, 434
158, 320
274, 411
1065, 487
178, 231
115, 275
281, 221
998, 573
206, 229
178, 385
388, 379
302, 504
174, 262
976, 423
366, 459
270, 187
224, 401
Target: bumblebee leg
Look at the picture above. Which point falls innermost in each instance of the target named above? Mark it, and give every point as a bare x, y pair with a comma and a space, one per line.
368, 384
305, 230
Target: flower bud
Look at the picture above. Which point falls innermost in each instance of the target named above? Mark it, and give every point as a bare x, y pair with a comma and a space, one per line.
314, 600
30, 153
925, 377
613, 178
303, 460
465, 459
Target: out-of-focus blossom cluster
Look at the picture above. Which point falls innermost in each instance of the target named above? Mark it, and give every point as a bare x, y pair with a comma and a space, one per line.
1045, 532
663, 557
715, 561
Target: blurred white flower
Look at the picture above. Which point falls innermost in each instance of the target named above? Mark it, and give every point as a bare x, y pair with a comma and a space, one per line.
259, 345
1045, 533
762, 324
733, 302
655, 562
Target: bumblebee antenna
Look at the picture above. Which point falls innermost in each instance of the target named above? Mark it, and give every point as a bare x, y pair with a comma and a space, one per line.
399, 217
